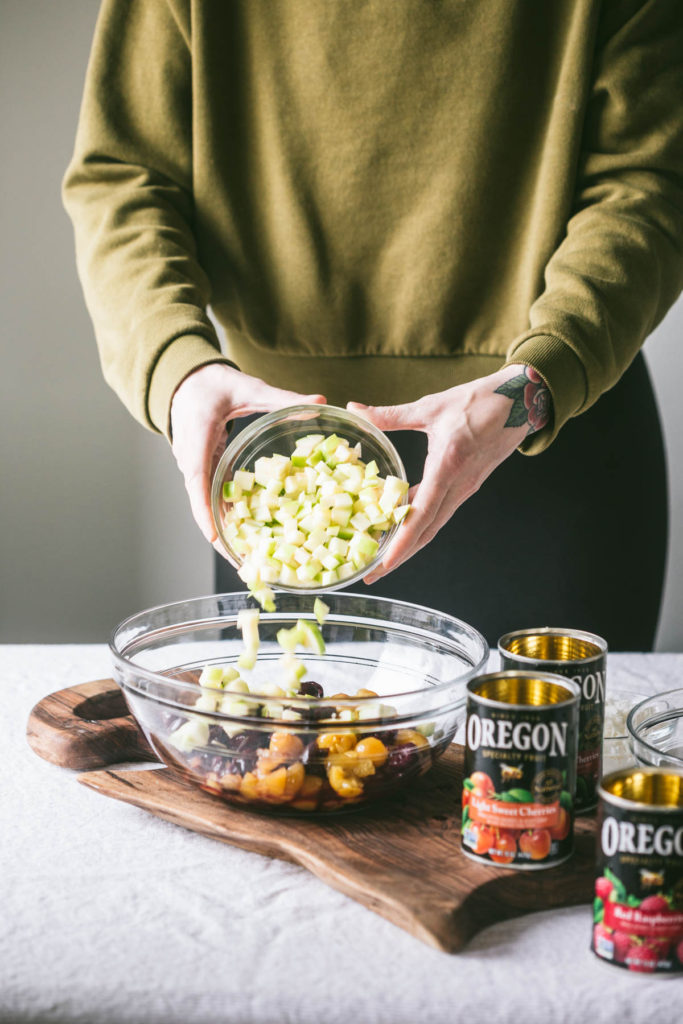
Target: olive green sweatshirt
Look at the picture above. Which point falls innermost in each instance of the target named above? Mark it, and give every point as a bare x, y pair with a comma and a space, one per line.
379, 199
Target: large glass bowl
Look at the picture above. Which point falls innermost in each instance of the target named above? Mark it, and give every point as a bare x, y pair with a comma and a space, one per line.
277, 433
302, 754
655, 729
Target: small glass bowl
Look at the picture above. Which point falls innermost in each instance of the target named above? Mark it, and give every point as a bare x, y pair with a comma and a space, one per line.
616, 749
296, 754
655, 729
277, 433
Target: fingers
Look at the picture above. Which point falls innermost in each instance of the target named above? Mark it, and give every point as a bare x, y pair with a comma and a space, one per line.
391, 417
432, 500
197, 468
218, 547
202, 405
254, 395
200, 503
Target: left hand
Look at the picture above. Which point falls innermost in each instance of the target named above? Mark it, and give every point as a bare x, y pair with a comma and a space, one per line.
470, 430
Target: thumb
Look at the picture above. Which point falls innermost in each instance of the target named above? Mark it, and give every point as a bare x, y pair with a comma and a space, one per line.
390, 417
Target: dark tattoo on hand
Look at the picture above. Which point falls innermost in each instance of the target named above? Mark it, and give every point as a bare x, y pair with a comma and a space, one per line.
530, 400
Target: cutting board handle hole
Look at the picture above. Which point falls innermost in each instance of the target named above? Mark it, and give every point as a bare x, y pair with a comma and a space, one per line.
102, 707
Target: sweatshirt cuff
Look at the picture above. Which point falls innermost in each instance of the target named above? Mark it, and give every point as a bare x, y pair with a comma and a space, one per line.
180, 358
564, 376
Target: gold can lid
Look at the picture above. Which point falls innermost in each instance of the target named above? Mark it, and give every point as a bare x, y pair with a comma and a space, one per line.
523, 689
553, 645
639, 788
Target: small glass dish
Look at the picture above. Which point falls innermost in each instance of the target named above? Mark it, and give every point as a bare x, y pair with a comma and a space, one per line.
277, 433
616, 750
334, 750
655, 729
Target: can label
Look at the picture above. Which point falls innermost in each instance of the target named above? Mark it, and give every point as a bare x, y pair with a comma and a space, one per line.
589, 674
517, 807
638, 905
591, 725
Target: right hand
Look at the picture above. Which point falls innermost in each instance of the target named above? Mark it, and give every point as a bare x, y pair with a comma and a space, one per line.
202, 406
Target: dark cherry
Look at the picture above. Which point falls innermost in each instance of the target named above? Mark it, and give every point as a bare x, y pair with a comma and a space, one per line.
402, 759
311, 758
241, 765
311, 688
387, 736
312, 712
248, 739
217, 735
209, 763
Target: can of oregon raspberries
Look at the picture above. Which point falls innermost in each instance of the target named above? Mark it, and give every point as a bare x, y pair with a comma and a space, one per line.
579, 656
638, 906
520, 769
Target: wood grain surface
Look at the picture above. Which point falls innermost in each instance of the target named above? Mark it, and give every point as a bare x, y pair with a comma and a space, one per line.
401, 858
86, 726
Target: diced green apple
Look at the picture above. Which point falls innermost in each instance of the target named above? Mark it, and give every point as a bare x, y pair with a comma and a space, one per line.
191, 734
365, 546
340, 516
290, 715
207, 702
288, 577
265, 597
287, 639
320, 610
310, 635
305, 445
293, 669
247, 659
212, 677
231, 491
281, 520
237, 685
244, 479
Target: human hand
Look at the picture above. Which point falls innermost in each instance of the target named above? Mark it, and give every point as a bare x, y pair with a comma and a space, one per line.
470, 430
202, 405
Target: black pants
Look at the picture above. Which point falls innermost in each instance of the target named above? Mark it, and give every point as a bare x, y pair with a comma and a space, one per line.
574, 537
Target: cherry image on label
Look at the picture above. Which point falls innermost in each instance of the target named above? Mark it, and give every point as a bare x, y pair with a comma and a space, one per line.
520, 765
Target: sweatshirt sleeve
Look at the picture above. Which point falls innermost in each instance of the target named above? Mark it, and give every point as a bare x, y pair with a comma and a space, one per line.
128, 191
619, 267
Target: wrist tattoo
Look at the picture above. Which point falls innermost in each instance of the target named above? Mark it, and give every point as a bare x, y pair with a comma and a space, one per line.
530, 400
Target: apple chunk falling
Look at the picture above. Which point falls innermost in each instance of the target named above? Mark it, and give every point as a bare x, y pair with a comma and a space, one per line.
312, 519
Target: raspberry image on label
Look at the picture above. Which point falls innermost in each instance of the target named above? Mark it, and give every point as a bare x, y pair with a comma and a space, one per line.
638, 904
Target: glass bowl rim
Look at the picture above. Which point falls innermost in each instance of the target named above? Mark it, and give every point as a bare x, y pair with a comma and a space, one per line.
631, 727
252, 430
121, 661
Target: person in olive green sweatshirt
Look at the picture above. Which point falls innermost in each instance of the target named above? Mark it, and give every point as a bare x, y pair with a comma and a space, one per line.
460, 218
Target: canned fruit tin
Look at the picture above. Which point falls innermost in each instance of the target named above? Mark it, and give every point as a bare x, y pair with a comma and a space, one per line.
638, 905
520, 769
581, 657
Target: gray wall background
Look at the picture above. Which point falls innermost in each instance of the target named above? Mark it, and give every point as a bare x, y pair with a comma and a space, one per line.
94, 523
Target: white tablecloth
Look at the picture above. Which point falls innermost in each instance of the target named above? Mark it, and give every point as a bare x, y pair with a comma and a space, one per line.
111, 916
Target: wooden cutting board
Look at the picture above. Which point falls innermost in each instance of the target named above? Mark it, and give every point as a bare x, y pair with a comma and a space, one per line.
401, 859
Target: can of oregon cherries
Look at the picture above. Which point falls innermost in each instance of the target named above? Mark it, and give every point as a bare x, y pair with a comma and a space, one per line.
581, 657
520, 769
638, 906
